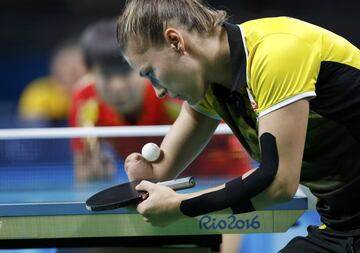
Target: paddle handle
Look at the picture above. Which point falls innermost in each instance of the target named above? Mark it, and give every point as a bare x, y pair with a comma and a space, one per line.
180, 183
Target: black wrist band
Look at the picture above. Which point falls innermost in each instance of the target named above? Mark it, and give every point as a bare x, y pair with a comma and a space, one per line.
238, 193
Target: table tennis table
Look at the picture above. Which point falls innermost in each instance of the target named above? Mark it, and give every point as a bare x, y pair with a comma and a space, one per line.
70, 224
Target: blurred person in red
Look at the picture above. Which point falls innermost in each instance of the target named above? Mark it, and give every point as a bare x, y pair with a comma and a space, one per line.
46, 100
111, 94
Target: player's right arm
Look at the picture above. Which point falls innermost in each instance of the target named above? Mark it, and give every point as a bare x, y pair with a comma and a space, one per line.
89, 161
185, 140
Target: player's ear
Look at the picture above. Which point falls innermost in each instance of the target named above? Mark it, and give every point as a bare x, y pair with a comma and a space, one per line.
175, 39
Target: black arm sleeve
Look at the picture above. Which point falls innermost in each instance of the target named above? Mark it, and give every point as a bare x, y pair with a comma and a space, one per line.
238, 192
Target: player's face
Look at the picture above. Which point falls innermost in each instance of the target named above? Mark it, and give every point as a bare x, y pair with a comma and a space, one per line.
68, 67
171, 73
122, 91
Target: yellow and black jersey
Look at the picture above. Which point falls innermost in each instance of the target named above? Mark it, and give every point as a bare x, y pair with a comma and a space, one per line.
278, 61
288, 60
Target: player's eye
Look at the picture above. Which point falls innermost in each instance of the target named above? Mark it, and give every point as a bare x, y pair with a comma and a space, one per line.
151, 76
144, 74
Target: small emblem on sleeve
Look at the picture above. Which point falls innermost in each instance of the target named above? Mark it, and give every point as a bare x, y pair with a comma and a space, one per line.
252, 100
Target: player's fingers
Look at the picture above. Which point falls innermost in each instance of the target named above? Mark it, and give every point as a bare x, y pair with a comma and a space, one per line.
141, 209
133, 157
131, 160
145, 186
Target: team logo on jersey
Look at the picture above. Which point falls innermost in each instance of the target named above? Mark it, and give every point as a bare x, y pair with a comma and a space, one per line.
252, 100
89, 113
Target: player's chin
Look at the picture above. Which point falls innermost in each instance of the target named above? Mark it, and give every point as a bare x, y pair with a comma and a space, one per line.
193, 101
124, 108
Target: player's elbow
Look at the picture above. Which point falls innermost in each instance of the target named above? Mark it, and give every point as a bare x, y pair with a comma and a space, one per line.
286, 194
283, 191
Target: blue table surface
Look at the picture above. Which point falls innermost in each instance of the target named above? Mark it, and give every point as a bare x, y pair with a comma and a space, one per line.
51, 190
78, 208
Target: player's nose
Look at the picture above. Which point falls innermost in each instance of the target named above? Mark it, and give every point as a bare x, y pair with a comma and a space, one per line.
160, 92
117, 84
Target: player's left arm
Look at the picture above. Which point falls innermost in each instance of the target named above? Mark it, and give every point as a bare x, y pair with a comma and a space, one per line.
282, 138
288, 127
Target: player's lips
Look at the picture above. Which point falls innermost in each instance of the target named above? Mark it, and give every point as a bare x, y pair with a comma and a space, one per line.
121, 101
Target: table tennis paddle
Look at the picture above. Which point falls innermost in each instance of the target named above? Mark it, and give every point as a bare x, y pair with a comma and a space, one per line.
125, 194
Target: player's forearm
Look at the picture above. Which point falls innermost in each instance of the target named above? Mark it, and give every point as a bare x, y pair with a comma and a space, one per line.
198, 193
240, 193
273, 195
83, 166
187, 137
90, 163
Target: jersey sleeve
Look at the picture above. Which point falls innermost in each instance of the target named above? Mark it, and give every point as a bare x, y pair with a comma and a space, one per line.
76, 143
205, 107
283, 70
83, 112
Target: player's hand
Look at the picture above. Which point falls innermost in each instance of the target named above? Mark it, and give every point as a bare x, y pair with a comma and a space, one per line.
137, 167
107, 165
93, 164
162, 206
94, 168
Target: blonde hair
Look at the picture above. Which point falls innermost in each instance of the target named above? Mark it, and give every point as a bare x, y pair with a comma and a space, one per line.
147, 20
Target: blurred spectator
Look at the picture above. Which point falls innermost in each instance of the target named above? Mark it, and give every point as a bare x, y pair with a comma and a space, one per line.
130, 100
45, 101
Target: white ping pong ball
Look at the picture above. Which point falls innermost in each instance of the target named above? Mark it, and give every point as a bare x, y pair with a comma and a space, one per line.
151, 152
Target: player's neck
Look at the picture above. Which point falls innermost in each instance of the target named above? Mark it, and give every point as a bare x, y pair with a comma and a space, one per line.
134, 116
218, 62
